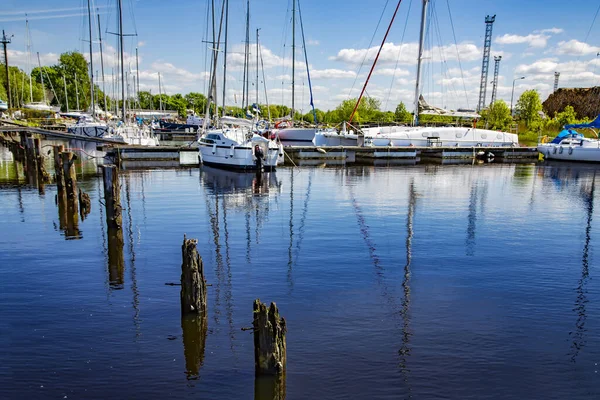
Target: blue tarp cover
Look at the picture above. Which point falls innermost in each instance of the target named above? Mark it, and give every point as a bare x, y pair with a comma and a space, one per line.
594, 124
565, 133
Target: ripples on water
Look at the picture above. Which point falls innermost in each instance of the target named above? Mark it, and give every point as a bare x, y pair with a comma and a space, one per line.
423, 282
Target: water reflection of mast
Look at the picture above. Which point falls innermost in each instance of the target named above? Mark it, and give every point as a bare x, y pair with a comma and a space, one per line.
289, 274
19, 194
472, 218
581, 300
303, 218
404, 351
134, 288
214, 223
228, 289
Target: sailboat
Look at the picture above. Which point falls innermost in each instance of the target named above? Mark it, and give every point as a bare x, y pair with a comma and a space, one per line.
571, 145
426, 136
127, 131
35, 105
235, 144
285, 129
88, 124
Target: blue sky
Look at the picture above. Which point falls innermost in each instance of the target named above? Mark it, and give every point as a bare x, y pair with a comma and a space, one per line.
535, 39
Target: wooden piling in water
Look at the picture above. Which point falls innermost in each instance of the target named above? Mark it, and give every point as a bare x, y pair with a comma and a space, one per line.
269, 340
58, 168
193, 284
39, 159
114, 222
70, 176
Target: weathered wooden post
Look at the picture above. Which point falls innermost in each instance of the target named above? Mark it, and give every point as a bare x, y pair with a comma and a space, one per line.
114, 221
193, 284
269, 340
271, 387
70, 176
39, 159
58, 168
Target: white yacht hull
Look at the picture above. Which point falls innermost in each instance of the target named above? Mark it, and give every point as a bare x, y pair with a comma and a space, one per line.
236, 157
328, 138
294, 134
570, 152
441, 136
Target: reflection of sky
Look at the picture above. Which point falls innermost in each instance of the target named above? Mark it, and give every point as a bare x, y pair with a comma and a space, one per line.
495, 269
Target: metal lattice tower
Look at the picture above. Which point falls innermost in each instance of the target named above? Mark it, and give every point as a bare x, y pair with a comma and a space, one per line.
487, 44
556, 76
495, 82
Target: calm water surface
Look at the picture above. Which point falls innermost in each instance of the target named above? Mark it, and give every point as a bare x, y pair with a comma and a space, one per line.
407, 282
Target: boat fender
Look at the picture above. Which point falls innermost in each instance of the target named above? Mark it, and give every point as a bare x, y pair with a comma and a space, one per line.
570, 150
231, 151
214, 149
280, 150
320, 150
560, 150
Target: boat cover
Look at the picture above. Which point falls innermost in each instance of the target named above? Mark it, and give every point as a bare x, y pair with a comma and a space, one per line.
566, 133
594, 124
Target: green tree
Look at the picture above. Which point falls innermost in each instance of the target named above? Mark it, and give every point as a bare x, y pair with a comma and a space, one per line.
528, 107
196, 101
566, 116
401, 114
498, 115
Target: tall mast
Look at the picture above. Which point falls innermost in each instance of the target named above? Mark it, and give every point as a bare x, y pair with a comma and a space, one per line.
120, 3
247, 57
257, 66
66, 93
6, 41
29, 59
42, 75
77, 91
102, 65
91, 61
419, 59
137, 76
159, 93
225, 52
293, 56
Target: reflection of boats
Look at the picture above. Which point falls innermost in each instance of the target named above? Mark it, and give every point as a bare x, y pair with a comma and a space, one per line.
220, 181
572, 145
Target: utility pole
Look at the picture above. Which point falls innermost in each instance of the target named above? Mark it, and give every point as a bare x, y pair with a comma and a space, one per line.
5, 41
497, 60
487, 44
556, 76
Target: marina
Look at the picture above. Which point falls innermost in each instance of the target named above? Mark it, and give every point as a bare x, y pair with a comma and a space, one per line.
299, 200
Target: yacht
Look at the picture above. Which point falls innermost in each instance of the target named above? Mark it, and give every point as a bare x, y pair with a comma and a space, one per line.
571, 145
236, 145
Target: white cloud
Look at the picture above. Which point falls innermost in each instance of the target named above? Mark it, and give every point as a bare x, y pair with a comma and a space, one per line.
576, 48
406, 53
141, 43
166, 68
553, 31
533, 40
312, 42
19, 58
332, 74
543, 66
391, 72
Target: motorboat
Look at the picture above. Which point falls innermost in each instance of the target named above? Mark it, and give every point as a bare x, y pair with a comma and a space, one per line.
3, 106
40, 106
237, 145
86, 125
570, 145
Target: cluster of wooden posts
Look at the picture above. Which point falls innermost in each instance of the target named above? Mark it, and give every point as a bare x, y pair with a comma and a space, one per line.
268, 326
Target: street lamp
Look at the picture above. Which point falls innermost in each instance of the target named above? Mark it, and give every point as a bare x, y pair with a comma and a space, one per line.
512, 95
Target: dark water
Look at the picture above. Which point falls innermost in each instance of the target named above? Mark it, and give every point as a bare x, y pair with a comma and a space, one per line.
408, 282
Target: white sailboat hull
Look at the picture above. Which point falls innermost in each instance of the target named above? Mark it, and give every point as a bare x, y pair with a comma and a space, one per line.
89, 129
589, 151
294, 134
332, 138
440, 136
